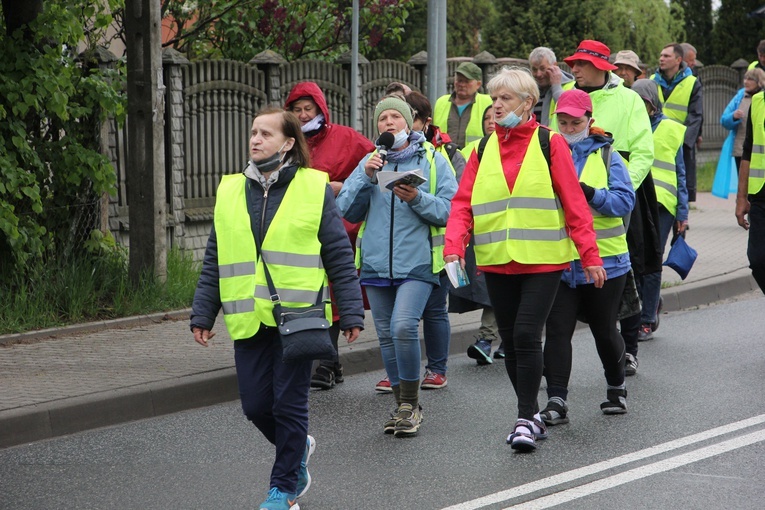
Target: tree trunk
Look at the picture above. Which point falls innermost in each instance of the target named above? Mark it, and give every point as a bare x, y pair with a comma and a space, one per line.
20, 14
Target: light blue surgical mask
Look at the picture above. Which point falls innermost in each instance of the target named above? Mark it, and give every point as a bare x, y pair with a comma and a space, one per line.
400, 139
577, 137
510, 120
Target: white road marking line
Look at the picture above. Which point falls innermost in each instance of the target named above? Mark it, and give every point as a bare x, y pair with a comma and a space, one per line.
592, 469
641, 472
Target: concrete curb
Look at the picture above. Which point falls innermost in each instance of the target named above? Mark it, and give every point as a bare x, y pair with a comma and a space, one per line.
78, 414
91, 327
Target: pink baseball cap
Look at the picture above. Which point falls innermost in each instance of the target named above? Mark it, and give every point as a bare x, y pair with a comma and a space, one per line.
574, 102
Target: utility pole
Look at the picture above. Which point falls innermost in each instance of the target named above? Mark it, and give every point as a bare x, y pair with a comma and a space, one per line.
146, 152
437, 71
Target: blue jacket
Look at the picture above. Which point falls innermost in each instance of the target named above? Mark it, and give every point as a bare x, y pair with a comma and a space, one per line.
682, 189
336, 255
618, 200
396, 239
727, 120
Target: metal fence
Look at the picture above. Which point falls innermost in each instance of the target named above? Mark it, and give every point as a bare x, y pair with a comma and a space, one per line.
210, 105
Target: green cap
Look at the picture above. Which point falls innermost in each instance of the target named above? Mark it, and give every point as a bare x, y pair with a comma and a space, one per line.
470, 71
395, 102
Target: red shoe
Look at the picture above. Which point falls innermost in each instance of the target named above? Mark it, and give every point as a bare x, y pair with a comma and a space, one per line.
384, 386
433, 381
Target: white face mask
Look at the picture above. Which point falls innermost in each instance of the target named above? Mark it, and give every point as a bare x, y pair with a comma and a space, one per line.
400, 139
577, 137
313, 124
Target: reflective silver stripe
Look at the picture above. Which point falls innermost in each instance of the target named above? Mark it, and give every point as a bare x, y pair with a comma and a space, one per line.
490, 237
520, 234
472, 138
675, 106
530, 234
490, 207
664, 165
241, 306
292, 259
758, 149
437, 241
238, 269
358, 242
757, 174
610, 232
292, 295
668, 187
548, 204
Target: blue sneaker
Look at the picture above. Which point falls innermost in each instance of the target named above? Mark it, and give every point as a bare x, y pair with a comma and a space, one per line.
278, 500
480, 352
304, 477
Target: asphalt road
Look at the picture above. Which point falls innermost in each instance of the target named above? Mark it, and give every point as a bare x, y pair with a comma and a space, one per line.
694, 437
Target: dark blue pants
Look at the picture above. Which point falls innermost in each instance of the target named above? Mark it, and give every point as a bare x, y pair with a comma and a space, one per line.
275, 399
756, 249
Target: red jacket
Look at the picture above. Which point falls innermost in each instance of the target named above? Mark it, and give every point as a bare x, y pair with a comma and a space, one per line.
512, 147
335, 149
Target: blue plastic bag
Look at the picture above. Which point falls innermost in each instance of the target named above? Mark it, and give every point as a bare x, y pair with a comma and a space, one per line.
681, 257
726, 176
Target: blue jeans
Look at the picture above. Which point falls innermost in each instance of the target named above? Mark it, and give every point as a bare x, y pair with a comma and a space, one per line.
651, 283
396, 311
436, 328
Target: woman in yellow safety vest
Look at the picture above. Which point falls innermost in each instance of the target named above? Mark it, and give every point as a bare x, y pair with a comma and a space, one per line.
605, 181
523, 213
280, 212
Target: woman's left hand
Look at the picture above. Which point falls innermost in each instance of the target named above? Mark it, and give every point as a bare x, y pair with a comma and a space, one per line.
405, 192
352, 334
596, 275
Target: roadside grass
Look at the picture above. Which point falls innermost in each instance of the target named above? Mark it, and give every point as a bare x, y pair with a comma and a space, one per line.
705, 176
90, 289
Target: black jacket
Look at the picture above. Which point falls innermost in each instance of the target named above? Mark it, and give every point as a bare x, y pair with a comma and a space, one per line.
336, 255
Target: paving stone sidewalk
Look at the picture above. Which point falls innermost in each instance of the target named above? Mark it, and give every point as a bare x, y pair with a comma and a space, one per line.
71, 379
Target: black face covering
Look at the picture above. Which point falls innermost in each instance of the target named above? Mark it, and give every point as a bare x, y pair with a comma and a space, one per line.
269, 164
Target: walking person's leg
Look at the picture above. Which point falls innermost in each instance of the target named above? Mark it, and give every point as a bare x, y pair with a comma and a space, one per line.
436, 331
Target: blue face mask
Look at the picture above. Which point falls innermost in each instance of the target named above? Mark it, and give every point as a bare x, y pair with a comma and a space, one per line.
400, 139
510, 120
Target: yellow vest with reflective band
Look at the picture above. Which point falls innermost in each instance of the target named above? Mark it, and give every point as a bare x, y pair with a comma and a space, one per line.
474, 130
667, 140
752, 65
676, 105
554, 104
291, 248
437, 234
609, 231
757, 163
526, 225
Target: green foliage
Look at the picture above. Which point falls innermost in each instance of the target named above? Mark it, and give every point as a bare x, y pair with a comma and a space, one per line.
240, 29
52, 103
698, 25
92, 287
735, 34
522, 25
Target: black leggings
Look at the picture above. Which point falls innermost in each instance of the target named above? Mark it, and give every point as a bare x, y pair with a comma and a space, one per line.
521, 304
599, 307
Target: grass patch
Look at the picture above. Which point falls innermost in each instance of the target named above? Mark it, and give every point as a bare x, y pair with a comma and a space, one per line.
705, 176
92, 288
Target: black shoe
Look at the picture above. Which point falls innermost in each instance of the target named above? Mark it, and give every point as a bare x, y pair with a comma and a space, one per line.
655, 325
555, 412
500, 352
338, 369
616, 403
480, 352
630, 365
324, 378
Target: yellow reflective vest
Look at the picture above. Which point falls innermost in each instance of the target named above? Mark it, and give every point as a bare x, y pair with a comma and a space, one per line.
667, 140
437, 234
611, 236
474, 130
291, 248
527, 225
676, 105
757, 162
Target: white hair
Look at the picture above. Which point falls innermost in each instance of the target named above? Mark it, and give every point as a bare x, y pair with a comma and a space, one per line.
517, 80
542, 52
